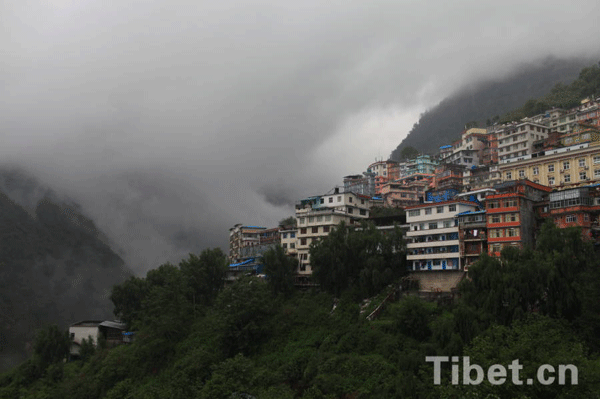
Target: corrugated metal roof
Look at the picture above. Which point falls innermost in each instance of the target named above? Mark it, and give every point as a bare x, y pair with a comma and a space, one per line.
114, 324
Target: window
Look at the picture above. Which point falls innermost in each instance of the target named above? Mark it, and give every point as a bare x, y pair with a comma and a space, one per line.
301, 220
551, 169
494, 219
414, 212
510, 203
325, 229
328, 218
536, 170
350, 209
582, 176
322, 200
362, 201
567, 178
292, 235
440, 209
511, 217
596, 159
521, 174
303, 230
363, 212
571, 218
447, 224
349, 199
292, 245
432, 226
339, 198
330, 200
551, 181
303, 241
496, 248
311, 219
512, 232
597, 173
283, 235
508, 175
586, 217
451, 208
582, 162
284, 245
566, 165
491, 204
315, 230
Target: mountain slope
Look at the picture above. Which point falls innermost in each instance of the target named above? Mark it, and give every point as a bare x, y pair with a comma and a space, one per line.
54, 267
442, 124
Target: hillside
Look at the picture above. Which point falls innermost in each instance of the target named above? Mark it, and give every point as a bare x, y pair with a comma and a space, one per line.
54, 267
444, 122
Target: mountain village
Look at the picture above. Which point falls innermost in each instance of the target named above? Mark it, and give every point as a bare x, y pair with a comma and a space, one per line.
491, 188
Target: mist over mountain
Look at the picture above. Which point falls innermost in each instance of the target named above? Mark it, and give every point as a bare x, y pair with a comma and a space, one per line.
56, 267
479, 102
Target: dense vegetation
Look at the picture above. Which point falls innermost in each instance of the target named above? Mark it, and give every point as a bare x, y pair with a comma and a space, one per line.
196, 338
54, 265
489, 102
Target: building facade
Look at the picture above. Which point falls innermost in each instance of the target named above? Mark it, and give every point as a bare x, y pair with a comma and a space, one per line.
317, 216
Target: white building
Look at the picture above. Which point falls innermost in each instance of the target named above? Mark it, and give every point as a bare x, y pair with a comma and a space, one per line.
289, 240
432, 239
317, 216
517, 140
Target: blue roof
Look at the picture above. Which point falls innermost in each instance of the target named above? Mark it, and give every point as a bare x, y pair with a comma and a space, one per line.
242, 263
445, 146
255, 227
469, 213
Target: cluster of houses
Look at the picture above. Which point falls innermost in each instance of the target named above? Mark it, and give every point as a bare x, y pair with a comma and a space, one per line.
490, 189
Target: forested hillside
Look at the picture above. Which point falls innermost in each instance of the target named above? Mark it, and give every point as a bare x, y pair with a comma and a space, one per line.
54, 268
487, 101
258, 339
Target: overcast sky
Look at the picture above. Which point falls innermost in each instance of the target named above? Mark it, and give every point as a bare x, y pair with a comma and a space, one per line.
170, 121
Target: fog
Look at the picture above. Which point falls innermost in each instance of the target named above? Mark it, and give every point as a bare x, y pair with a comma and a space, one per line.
169, 122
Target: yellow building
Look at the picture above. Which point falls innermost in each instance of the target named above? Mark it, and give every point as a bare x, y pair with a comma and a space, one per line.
561, 168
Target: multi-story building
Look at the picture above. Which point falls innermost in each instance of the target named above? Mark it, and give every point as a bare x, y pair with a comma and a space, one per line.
582, 133
562, 167
289, 240
489, 154
433, 242
423, 164
510, 214
241, 236
481, 177
575, 207
448, 176
316, 216
361, 184
517, 140
396, 194
472, 236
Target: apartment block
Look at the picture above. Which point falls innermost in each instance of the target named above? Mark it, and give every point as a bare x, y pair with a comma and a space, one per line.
562, 168
472, 236
433, 236
241, 236
317, 216
510, 214
516, 140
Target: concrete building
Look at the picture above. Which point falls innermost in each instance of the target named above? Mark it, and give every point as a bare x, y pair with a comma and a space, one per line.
361, 184
472, 236
241, 236
562, 168
510, 214
516, 140
481, 177
289, 240
317, 216
111, 331
576, 207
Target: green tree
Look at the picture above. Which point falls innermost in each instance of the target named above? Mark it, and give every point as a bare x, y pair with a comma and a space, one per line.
289, 221
280, 270
127, 299
364, 259
409, 153
205, 275
51, 345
